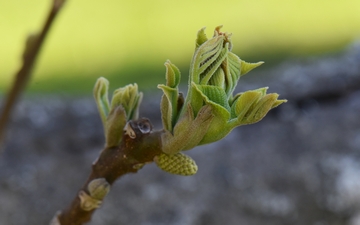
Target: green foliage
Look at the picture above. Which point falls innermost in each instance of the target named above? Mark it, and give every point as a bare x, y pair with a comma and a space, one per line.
207, 114
210, 111
102, 47
124, 107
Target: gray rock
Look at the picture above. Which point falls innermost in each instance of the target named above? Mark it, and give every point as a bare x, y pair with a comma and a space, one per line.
300, 165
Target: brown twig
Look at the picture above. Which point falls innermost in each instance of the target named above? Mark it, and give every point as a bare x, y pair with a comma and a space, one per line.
31, 52
129, 157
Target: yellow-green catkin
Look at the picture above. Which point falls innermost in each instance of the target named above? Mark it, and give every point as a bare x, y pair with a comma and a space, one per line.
178, 163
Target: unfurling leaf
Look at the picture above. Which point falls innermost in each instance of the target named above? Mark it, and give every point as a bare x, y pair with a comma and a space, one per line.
101, 98
172, 100
188, 132
129, 98
214, 74
247, 67
114, 126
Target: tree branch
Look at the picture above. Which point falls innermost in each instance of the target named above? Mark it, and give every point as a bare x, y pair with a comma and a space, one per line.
31, 52
135, 151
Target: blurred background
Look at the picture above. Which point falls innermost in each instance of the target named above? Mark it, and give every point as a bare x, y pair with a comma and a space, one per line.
300, 165
129, 42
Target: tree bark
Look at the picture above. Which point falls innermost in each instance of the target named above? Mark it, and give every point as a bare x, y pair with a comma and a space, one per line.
112, 164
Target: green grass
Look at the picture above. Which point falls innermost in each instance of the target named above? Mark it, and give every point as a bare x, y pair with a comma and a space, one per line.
128, 42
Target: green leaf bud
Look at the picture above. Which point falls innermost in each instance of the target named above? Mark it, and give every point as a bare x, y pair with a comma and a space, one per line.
88, 203
211, 110
98, 188
129, 98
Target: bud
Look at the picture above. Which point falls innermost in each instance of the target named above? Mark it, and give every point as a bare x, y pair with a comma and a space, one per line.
210, 110
129, 98
124, 106
98, 188
88, 203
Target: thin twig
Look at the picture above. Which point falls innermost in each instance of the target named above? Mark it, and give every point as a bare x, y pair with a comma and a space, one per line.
113, 163
31, 52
